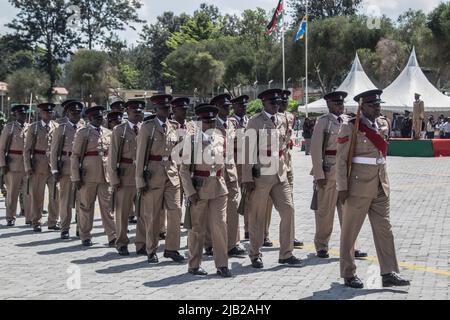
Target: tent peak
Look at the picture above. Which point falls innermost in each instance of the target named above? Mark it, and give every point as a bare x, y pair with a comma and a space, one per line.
357, 64
412, 62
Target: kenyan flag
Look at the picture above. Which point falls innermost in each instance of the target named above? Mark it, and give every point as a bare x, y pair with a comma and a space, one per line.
276, 16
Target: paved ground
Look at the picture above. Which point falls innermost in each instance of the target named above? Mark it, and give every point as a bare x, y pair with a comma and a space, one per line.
40, 266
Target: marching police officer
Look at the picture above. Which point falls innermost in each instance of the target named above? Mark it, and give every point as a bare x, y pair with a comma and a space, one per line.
36, 162
60, 152
122, 173
157, 178
11, 160
89, 175
205, 186
228, 128
363, 185
323, 155
268, 178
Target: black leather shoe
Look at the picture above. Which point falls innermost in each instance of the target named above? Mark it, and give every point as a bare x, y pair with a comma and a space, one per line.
153, 258
142, 252
162, 236
132, 220
123, 251
293, 261
37, 229
198, 271
360, 254
65, 235
56, 227
298, 243
394, 280
237, 251
87, 243
267, 243
112, 243
323, 254
174, 255
224, 272
354, 282
247, 236
209, 252
257, 263
11, 223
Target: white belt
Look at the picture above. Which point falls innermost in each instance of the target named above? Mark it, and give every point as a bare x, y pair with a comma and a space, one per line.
369, 161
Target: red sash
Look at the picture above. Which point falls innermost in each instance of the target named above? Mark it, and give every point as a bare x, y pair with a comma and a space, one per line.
375, 138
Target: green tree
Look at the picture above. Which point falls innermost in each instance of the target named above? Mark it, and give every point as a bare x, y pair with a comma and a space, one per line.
43, 23
24, 82
323, 9
100, 17
90, 76
15, 53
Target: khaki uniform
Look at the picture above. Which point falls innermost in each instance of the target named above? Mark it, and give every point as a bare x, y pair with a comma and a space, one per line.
418, 117
210, 211
67, 131
272, 183
231, 178
94, 178
41, 173
14, 164
125, 196
324, 167
368, 188
164, 185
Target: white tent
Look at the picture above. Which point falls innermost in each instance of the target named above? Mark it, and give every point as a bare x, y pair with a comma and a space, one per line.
355, 83
399, 96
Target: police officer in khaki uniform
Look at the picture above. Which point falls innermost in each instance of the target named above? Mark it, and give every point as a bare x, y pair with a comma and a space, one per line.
64, 117
364, 191
240, 120
228, 128
36, 161
157, 177
268, 178
11, 160
418, 115
60, 152
323, 156
113, 119
90, 177
122, 174
205, 186
118, 106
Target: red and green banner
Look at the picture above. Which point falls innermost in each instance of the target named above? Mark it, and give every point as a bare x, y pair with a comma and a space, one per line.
276, 16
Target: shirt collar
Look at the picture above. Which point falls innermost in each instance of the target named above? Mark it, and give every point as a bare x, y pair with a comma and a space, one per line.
71, 124
95, 128
45, 124
221, 121
132, 124
269, 115
372, 124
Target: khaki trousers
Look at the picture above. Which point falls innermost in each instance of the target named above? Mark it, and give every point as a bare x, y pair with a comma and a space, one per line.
232, 218
65, 202
156, 203
26, 199
141, 237
280, 192
89, 192
37, 194
124, 208
208, 214
355, 211
417, 127
13, 182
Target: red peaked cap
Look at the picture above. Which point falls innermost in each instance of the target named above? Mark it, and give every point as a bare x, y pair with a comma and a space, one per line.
371, 96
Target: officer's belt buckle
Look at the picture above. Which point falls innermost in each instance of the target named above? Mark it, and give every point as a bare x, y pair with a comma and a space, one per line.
380, 161
213, 174
165, 158
101, 153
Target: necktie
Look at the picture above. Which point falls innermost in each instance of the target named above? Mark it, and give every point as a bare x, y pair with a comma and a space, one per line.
273, 120
136, 130
164, 127
340, 120
183, 126
225, 125
75, 127
98, 130
47, 128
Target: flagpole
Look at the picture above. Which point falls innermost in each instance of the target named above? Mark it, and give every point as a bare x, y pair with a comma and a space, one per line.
283, 52
306, 59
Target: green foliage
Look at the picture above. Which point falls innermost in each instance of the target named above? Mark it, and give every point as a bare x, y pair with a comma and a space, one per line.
24, 82
128, 76
254, 107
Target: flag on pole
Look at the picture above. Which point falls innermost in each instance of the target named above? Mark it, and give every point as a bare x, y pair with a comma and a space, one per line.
276, 16
302, 30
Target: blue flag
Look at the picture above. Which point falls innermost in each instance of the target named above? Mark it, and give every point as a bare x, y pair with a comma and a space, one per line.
302, 30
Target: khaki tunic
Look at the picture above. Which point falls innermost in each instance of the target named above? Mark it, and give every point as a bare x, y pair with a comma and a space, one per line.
368, 188
418, 117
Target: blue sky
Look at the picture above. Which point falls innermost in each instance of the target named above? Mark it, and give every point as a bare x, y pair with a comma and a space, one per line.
153, 8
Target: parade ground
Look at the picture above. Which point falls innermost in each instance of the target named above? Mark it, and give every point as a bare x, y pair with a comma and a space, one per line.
41, 266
